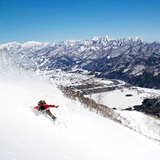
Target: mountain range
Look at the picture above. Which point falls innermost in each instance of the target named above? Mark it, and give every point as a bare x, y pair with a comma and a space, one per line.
129, 59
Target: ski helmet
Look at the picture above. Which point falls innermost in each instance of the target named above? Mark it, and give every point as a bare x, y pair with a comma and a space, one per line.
41, 102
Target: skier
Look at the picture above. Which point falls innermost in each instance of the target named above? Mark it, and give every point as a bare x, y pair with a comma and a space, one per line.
44, 107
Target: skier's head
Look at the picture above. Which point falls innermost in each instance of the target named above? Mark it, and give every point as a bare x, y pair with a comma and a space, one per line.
41, 102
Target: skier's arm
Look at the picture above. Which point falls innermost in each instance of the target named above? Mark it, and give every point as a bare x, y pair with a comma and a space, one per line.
55, 106
36, 107
39, 108
50, 106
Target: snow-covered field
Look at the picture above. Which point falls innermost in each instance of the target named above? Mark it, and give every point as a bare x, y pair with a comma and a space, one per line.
118, 99
78, 133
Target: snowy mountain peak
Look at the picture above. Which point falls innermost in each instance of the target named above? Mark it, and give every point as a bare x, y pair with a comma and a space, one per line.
9, 45
94, 38
105, 38
69, 42
32, 43
130, 39
138, 38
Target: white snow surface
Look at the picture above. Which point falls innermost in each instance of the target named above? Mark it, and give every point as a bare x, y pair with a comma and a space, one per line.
78, 134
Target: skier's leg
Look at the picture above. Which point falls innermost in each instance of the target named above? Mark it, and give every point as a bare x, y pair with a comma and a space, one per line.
50, 114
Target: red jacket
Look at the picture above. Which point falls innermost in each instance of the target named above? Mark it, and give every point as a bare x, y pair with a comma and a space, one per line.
45, 106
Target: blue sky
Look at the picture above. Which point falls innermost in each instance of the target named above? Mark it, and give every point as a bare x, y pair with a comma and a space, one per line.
58, 20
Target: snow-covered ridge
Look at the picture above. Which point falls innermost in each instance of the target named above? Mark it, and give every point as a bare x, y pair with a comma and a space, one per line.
68, 42
125, 57
76, 46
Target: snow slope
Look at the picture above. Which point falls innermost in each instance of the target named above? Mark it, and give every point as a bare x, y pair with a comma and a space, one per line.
78, 133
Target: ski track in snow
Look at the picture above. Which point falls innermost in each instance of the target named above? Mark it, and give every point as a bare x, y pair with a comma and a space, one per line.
78, 133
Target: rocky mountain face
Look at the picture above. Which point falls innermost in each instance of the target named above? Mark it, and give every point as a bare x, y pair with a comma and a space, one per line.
128, 59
